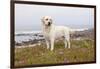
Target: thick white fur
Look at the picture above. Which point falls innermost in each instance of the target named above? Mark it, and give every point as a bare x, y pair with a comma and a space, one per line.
51, 32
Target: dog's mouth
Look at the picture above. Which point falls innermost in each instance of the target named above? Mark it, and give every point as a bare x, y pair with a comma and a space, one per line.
48, 24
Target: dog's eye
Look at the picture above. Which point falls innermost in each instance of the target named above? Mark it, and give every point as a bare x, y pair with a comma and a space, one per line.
46, 19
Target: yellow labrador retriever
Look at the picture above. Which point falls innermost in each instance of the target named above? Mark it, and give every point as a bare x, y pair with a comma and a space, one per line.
51, 32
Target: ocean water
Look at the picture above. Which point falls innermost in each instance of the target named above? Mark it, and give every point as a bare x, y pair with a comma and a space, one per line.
21, 36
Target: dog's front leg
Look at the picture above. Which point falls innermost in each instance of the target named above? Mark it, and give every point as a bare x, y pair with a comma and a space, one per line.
47, 42
65, 41
68, 43
52, 44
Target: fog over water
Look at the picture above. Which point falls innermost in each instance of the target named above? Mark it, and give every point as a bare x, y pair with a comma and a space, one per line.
28, 17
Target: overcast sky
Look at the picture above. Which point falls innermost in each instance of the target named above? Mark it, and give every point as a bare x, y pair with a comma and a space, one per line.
28, 17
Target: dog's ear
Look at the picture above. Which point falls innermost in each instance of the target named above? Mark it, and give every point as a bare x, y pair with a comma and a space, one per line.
42, 19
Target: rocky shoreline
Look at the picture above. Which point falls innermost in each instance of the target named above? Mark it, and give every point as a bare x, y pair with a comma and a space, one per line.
87, 34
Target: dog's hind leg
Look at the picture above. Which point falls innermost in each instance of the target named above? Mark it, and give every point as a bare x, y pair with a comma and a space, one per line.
67, 41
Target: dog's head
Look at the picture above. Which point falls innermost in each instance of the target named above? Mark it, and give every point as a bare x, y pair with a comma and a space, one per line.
46, 20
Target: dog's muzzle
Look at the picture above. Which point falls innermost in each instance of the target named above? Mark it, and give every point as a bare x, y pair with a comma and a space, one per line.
49, 23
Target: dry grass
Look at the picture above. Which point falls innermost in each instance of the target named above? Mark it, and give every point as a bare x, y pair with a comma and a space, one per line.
80, 51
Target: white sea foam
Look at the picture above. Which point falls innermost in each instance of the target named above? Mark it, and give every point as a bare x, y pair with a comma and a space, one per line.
21, 36
27, 32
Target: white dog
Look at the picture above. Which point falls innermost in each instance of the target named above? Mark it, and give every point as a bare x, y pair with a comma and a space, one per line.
51, 32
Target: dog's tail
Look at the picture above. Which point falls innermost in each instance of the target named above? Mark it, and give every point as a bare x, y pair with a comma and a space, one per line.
76, 30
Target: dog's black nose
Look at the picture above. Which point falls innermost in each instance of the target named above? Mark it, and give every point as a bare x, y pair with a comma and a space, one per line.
49, 23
